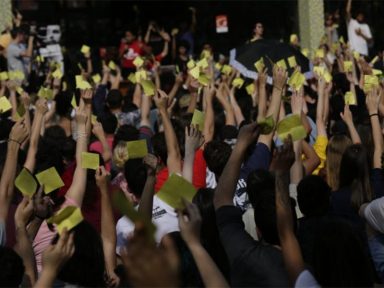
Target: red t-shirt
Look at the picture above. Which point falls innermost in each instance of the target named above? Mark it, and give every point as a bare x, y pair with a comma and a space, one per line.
199, 173
132, 51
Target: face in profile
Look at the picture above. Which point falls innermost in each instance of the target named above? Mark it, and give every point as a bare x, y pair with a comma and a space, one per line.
259, 29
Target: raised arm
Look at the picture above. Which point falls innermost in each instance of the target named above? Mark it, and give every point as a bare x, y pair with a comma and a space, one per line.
146, 199
166, 39
312, 160
262, 105
296, 171
209, 121
222, 96
193, 140
225, 189
236, 108
348, 120
348, 10
174, 156
98, 131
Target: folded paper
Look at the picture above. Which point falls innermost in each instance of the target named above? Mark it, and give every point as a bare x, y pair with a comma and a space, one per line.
292, 62
96, 78
250, 88
148, 87
348, 66
191, 63
195, 72
226, 70
350, 99
138, 62
68, 217
281, 64
291, 125
50, 179
238, 82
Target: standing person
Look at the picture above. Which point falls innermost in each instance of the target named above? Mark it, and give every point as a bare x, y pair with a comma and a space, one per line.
129, 49
359, 33
258, 31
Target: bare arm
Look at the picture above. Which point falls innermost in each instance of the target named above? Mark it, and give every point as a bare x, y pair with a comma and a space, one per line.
311, 159
146, 200
348, 120
209, 121
193, 140
99, 133
348, 10
262, 105
236, 109
222, 96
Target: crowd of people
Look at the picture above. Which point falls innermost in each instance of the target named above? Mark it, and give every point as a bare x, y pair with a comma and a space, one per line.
193, 184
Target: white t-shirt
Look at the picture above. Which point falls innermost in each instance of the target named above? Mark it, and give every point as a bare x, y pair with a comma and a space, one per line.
163, 216
306, 280
357, 42
374, 214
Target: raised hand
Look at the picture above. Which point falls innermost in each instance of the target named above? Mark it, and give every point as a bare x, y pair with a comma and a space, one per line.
372, 100
193, 138
247, 135
19, 132
297, 101
25, 99
81, 116
23, 212
42, 205
161, 100
152, 163
279, 77
102, 177
284, 157
86, 95
262, 80
347, 115
190, 223
42, 106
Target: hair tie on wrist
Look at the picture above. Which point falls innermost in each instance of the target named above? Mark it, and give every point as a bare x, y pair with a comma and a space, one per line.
374, 114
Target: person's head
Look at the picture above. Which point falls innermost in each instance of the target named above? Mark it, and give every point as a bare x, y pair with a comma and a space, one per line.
216, 154
160, 146
204, 201
313, 196
125, 133
109, 122
120, 154
129, 36
63, 104
12, 268
135, 173
258, 31
114, 99
339, 256
17, 35
328, 20
86, 266
354, 173
360, 17
183, 47
335, 149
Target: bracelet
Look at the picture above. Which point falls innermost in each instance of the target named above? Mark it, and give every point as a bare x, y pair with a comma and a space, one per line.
12, 140
374, 114
278, 88
82, 134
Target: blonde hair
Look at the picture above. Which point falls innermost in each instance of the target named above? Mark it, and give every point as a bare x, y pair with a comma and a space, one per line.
335, 150
120, 154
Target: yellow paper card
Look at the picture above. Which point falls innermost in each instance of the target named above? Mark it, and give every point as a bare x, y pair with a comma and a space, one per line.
50, 179
3, 76
40, 59
45, 93
291, 125
203, 79
137, 149
26, 183
374, 60
195, 72
90, 160
319, 70
319, 53
218, 66
93, 119
57, 74
348, 66
19, 90
341, 40
138, 62
350, 99
198, 118
79, 79
250, 89
205, 54
5, 105
84, 85
238, 82
259, 65
68, 217
148, 87
226, 69
327, 77
356, 55
140, 75
293, 38
132, 78
96, 78
266, 125
191, 64
377, 72
73, 101
85, 49
297, 80
112, 65
281, 64
203, 63
370, 82
174, 189
305, 52
292, 62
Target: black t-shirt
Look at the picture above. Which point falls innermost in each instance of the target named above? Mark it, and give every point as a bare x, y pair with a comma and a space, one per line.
252, 262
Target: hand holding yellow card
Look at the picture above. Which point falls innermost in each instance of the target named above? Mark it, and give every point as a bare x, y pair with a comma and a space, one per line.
26, 183
174, 189
85, 49
281, 64
226, 70
319, 70
238, 82
291, 125
191, 64
57, 74
293, 38
3, 76
319, 53
68, 217
198, 118
266, 125
218, 66
5, 105
203, 63
96, 78
203, 79
348, 66
305, 52
327, 77
50, 179
73, 102
148, 87
349, 98
137, 149
138, 62
112, 65
90, 160
195, 72
132, 78
250, 88
259, 65
292, 62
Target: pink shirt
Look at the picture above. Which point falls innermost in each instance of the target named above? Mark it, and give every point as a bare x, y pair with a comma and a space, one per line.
98, 147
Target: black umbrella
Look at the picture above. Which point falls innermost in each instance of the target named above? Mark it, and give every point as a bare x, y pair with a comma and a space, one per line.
243, 58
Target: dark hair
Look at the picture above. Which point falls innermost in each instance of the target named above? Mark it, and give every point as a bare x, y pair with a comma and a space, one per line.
339, 257
86, 266
63, 104
125, 133
12, 268
114, 99
184, 44
109, 122
313, 196
160, 146
135, 173
15, 32
354, 173
216, 154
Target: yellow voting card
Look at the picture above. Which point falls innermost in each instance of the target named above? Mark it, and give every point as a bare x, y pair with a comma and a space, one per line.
305, 52
374, 60
203, 79
319, 70
319, 53
96, 78
73, 101
138, 62
45, 93
203, 63
68, 217
174, 189
50, 179
377, 72
132, 78
297, 80
26, 183
250, 88
195, 72
356, 55
349, 98
198, 118
218, 66
348, 66
57, 74
281, 64
148, 87
19, 90
327, 77
226, 70
191, 63
3, 76
205, 54
79, 79
137, 149
238, 82
291, 125
85, 49
90, 160
259, 65
112, 65
293, 38
5, 105
266, 125
93, 119
140, 75
292, 62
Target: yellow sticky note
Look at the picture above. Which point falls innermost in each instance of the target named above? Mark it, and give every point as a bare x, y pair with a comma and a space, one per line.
305, 52
319, 53
356, 55
218, 66
93, 119
319, 70
341, 40
292, 62
350, 99
226, 69
57, 74
266, 125
327, 77
3, 76
259, 65
291, 125
112, 65
90, 160
203, 79
137, 149
84, 85
85, 49
348, 66
73, 101
64, 86
50, 179
96, 78
374, 60
296, 81
198, 118
281, 64
377, 72
132, 78
79, 79
370, 82
148, 87
205, 54
138, 62
293, 38
68, 217
5, 105
40, 59
191, 64
19, 90
26, 183
45, 93
195, 72
250, 89
335, 47
140, 75
174, 189
238, 82
203, 63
